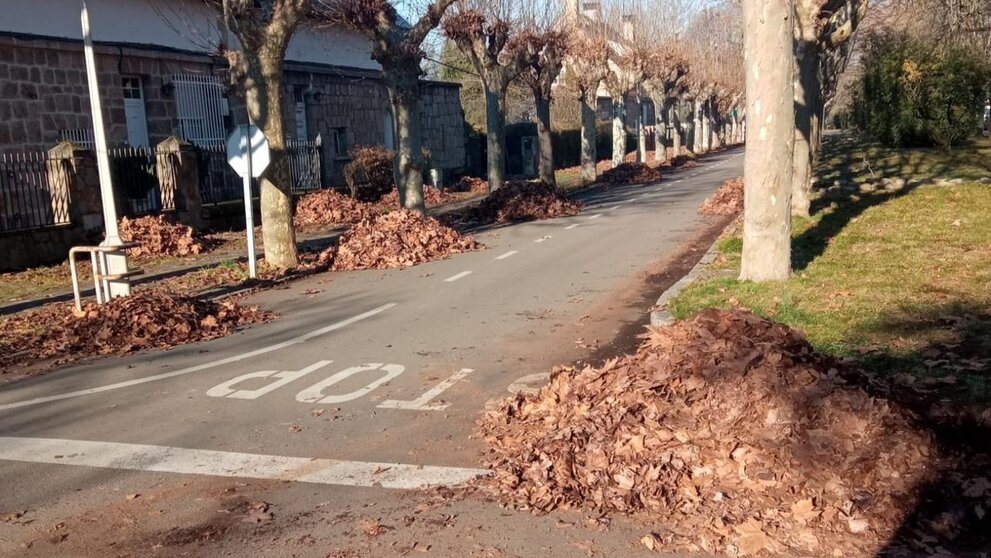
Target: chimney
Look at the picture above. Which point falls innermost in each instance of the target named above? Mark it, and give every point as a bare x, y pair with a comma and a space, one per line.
628, 27
592, 10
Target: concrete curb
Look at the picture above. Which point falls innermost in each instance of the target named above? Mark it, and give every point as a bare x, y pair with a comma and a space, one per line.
662, 317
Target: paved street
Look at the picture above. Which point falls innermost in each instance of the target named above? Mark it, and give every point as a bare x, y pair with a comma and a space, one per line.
367, 385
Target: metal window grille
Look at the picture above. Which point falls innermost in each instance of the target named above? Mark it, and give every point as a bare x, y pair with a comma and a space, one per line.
304, 164
28, 199
200, 107
82, 137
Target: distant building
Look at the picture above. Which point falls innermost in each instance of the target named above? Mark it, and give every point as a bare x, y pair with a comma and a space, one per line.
160, 75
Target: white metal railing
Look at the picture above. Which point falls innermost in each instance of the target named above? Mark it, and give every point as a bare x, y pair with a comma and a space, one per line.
83, 137
101, 278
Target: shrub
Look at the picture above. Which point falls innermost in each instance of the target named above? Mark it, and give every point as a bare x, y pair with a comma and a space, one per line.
369, 173
916, 94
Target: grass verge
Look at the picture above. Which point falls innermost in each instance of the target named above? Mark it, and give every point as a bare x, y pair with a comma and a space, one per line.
900, 281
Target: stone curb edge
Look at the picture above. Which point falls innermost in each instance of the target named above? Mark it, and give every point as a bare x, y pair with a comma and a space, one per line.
661, 316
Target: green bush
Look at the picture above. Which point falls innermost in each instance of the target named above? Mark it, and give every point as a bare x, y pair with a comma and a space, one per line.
916, 94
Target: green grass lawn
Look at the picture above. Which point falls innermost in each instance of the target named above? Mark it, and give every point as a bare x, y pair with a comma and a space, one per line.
898, 280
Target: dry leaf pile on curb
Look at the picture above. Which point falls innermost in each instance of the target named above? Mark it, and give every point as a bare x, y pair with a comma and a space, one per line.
157, 236
327, 208
431, 196
683, 162
631, 173
728, 199
525, 201
396, 239
727, 432
57, 334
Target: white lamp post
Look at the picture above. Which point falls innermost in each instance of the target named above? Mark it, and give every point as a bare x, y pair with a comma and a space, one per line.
116, 261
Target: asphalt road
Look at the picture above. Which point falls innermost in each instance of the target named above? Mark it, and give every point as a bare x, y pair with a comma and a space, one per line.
367, 385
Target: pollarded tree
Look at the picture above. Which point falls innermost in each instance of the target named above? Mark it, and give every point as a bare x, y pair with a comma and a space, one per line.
540, 75
398, 47
770, 139
627, 70
500, 50
263, 30
586, 66
821, 28
666, 75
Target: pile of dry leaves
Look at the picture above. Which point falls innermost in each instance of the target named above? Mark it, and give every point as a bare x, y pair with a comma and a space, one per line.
158, 237
471, 184
630, 173
396, 239
326, 208
431, 196
728, 432
525, 201
57, 333
728, 199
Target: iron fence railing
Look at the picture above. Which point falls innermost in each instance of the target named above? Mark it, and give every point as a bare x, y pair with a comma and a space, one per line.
33, 191
304, 164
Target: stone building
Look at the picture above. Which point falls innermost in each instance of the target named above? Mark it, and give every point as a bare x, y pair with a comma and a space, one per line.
160, 76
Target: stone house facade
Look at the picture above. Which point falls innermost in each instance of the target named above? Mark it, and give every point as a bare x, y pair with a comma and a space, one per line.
159, 77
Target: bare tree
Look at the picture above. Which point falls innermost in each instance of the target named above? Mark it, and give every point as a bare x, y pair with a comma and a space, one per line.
820, 30
499, 46
666, 75
264, 29
540, 75
587, 65
628, 67
767, 163
398, 47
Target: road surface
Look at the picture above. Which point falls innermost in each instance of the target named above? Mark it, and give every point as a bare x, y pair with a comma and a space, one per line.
366, 387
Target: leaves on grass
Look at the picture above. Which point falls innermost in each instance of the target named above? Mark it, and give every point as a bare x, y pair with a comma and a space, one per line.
728, 199
327, 208
728, 430
57, 334
157, 237
395, 240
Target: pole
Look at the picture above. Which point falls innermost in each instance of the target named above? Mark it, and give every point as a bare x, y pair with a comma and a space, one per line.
249, 216
116, 261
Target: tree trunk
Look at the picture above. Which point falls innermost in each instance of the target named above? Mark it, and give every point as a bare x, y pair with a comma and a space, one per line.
618, 130
806, 68
263, 98
696, 128
409, 155
675, 132
706, 128
589, 155
768, 159
641, 134
660, 131
545, 144
495, 135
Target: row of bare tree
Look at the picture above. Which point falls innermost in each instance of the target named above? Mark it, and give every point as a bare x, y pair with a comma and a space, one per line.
676, 53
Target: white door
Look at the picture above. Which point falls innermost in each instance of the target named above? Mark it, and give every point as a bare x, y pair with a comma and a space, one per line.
134, 112
301, 132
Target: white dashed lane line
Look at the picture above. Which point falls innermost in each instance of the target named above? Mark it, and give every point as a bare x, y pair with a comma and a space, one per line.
543, 238
569, 227
596, 216
509, 254
454, 278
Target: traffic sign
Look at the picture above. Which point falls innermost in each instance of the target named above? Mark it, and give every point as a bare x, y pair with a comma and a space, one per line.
237, 151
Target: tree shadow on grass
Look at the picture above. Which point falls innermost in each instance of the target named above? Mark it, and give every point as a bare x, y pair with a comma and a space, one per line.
946, 383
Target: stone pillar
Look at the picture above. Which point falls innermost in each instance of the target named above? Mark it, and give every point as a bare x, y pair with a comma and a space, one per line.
179, 181
73, 176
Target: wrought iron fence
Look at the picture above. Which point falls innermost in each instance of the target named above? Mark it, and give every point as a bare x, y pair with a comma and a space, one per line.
135, 176
219, 183
33, 191
304, 164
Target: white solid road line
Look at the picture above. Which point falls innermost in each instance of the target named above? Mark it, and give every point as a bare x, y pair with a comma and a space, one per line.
569, 227
509, 254
229, 360
165, 459
454, 278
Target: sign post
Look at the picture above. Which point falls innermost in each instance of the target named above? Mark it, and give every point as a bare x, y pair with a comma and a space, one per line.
248, 154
